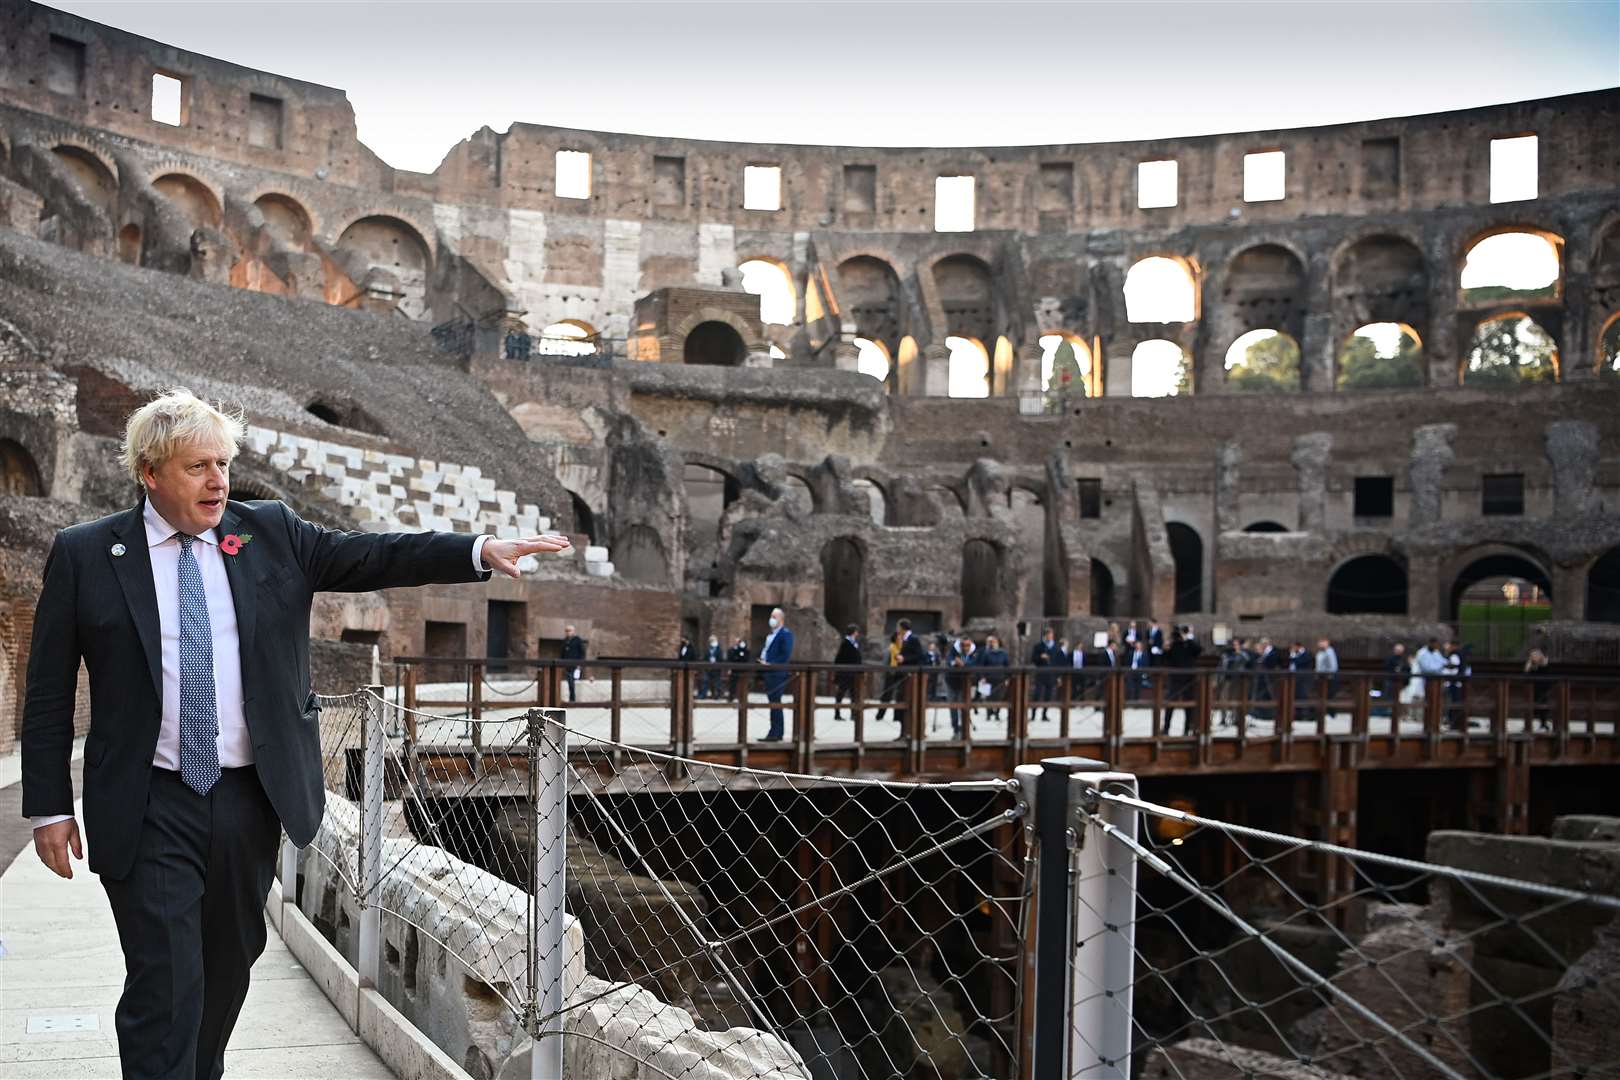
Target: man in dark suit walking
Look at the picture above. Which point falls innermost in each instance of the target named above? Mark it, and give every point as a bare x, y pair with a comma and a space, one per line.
849, 652
191, 614
778, 649
573, 648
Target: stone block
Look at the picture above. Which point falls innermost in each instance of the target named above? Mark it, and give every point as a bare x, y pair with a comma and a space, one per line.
599, 569
596, 554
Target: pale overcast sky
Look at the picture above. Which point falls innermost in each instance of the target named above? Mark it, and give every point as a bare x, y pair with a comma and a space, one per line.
423, 75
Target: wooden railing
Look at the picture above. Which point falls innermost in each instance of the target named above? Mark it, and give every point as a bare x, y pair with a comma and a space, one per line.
915, 721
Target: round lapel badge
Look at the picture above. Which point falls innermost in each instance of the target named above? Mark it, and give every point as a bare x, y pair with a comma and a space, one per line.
118, 549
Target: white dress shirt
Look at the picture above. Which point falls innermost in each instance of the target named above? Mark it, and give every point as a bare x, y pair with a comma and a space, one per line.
234, 743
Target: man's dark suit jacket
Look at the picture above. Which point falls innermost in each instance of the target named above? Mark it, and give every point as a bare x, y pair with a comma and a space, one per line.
848, 653
103, 607
912, 653
780, 652
573, 648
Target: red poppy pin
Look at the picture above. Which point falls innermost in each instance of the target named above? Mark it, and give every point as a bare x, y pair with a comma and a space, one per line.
232, 543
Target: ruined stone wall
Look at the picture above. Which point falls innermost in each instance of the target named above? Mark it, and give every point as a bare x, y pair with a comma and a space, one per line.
1375, 222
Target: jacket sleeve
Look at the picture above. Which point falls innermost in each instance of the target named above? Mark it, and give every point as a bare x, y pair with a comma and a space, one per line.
53, 676
362, 562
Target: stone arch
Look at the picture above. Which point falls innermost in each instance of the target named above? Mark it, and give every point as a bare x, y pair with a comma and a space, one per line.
771, 280
19, 473
843, 582
1603, 587
1368, 585
1161, 288
869, 296
983, 596
799, 493
1485, 561
194, 197
286, 219
969, 367
1160, 368
708, 490
584, 517
1489, 293
388, 257
1187, 550
686, 326
715, 344
1608, 347
877, 498
1363, 363
1266, 527
94, 175
1102, 589
1379, 277
1508, 348
639, 556
1262, 287
1056, 374
962, 284
1263, 361
129, 244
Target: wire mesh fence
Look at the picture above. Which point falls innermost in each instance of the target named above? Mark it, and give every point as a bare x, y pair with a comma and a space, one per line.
608, 906
1253, 953
623, 904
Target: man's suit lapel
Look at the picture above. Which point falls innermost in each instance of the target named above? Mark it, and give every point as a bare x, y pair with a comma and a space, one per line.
133, 569
244, 592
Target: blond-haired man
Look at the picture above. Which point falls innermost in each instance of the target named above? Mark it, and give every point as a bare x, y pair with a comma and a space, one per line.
191, 614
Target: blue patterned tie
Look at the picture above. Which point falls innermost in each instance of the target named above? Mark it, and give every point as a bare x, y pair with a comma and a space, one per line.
199, 719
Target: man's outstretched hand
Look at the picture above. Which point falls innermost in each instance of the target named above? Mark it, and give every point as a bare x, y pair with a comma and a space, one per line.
53, 842
503, 555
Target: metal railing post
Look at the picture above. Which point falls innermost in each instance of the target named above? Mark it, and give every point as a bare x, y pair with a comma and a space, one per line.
1047, 788
371, 815
1104, 929
548, 791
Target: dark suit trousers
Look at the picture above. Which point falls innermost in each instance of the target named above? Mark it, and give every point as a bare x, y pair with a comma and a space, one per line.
190, 919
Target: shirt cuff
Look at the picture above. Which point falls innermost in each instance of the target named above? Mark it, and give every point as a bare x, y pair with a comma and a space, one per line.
50, 819
478, 555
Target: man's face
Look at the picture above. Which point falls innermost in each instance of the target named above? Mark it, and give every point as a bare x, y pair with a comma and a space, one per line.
568, 631
189, 489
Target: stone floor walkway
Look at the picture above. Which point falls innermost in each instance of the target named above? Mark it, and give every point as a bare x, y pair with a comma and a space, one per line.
61, 973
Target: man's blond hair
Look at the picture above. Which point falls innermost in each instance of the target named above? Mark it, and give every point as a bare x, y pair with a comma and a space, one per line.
172, 419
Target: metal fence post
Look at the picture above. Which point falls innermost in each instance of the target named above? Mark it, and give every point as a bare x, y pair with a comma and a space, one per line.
1047, 787
371, 815
1104, 928
548, 792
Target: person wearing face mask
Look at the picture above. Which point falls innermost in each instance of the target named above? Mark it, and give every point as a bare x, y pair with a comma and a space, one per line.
710, 687
737, 654
778, 649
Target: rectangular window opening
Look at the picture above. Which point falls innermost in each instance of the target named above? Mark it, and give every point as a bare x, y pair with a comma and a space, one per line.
1513, 169
573, 174
264, 121
762, 187
1156, 185
860, 188
1375, 497
953, 203
64, 67
669, 181
1380, 168
1265, 176
1057, 187
1090, 499
1502, 495
168, 99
